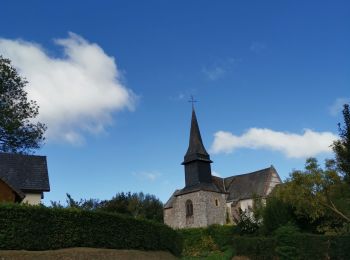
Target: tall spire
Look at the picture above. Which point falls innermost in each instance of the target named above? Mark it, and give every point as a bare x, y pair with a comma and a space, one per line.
196, 161
196, 149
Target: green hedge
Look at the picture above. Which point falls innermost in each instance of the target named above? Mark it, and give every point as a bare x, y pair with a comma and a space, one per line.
304, 246
203, 242
255, 247
41, 228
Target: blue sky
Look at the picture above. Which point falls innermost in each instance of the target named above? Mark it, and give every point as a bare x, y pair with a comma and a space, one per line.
113, 79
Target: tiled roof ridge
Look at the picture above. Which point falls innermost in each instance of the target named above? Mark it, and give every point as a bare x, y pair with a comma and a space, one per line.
22, 155
238, 175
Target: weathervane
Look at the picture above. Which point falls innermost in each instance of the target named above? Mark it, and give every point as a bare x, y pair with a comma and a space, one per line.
192, 100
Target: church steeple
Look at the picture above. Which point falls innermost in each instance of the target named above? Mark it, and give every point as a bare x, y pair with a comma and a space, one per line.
196, 149
196, 160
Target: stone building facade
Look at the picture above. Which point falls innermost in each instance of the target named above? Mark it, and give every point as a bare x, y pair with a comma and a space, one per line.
207, 199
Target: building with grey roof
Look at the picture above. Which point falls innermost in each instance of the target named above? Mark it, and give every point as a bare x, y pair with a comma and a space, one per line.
23, 178
207, 199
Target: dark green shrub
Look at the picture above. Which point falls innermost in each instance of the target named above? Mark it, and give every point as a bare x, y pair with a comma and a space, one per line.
286, 243
339, 247
206, 242
293, 246
222, 235
40, 228
247, 225
255, 247
276, 213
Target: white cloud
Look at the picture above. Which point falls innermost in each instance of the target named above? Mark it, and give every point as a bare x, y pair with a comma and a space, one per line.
257, 47
220, 68
77, 92
337, 106
304, 145
214, 73
149, 176
216, 174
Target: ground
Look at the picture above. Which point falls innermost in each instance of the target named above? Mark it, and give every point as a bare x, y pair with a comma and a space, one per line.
84, 254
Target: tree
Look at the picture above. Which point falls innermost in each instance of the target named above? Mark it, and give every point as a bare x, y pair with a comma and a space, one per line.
341, 147
316, 193
137, 205
18, 133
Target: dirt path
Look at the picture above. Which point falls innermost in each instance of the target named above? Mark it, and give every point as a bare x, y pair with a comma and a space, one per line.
85, 254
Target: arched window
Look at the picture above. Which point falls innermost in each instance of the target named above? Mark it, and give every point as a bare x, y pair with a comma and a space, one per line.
189, 208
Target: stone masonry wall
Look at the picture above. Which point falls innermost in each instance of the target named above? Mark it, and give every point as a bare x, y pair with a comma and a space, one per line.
208, 208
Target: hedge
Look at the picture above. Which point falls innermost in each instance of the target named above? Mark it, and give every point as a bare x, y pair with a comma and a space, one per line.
25, 227
202, 242
304, 246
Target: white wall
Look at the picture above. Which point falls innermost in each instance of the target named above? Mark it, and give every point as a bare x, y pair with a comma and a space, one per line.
32, 198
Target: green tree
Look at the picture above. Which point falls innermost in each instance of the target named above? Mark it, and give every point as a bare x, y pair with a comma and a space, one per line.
137, 205
341, 147
18, 133
316, 193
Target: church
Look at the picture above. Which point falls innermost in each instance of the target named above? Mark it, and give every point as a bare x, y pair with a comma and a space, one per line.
208, 199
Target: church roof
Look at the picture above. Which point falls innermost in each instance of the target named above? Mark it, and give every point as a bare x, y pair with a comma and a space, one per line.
196, 149
24, 172
238, 187
200, 186
246, 186
170, 202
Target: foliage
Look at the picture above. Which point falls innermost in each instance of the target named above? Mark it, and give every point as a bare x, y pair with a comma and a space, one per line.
212, 242
341, 147
255, 247
300, 246
137, 205
247, 224
24, 227
286, 245
317, 195
276, 213
18, 133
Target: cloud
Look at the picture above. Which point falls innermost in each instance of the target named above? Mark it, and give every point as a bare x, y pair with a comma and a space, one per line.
257, 47
220, 68
337, 106
216, 174
78, 92
304, 145
214, 73
149, 176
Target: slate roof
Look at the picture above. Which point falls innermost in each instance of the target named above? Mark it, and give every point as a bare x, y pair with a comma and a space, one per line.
247, 185
24, 172
196, 149
169, 203
16, 190
200, 186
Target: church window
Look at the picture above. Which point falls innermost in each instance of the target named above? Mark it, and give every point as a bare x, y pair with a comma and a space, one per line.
189, 208
216, 202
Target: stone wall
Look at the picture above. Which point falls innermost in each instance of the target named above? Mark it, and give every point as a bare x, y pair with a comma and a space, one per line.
208, 208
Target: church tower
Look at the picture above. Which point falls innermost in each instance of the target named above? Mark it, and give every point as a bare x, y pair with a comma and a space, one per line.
196, 160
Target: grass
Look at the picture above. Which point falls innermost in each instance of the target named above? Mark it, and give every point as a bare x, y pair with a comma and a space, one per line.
84, 253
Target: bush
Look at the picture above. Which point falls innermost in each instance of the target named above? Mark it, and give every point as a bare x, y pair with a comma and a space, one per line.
293, 246
39, 228
255, 247
276, 213
213, 241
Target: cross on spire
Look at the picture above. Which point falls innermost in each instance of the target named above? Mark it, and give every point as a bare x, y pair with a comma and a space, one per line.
192, 100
